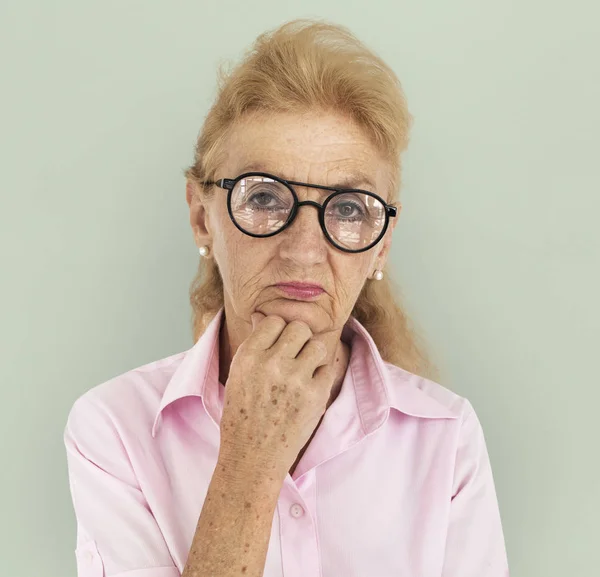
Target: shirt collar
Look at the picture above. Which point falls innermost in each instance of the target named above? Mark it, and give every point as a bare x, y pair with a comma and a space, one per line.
378, 385
200, 365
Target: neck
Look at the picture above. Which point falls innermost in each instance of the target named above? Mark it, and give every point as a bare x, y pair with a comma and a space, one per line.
338, 356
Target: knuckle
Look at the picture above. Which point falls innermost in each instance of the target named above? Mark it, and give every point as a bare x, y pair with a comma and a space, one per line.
300, 327
320, 346
271, 364
297, 382
275, 320
317, 348
296, 323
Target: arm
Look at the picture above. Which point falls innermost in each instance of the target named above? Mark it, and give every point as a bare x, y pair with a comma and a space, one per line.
475, 542
116, 530
117, 534
234, 528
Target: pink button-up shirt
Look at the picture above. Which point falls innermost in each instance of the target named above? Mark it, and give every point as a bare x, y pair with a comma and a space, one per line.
395, 483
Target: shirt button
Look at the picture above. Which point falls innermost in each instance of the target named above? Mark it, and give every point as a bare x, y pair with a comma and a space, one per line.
296, 510
89, 557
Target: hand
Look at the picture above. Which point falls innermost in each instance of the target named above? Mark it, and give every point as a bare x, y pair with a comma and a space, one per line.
275, 395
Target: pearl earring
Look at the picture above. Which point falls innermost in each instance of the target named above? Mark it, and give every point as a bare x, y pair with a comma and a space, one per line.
203, 250
378, 275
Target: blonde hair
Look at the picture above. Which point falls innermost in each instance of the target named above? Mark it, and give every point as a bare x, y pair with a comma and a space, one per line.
301, 66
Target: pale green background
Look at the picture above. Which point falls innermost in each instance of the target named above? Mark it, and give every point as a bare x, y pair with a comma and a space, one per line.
497, 249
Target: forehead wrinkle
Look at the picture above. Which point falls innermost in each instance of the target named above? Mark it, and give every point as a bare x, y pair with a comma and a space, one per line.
349, 164
345, 175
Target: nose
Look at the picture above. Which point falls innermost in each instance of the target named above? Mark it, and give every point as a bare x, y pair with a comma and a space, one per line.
303, 240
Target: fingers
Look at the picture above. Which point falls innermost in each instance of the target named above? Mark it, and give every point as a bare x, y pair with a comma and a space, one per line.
313, 354
291, 340
265, 331
293, 337
324, 374
256, 317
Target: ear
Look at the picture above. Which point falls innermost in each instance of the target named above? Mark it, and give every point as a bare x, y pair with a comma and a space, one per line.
199, 218
386, 243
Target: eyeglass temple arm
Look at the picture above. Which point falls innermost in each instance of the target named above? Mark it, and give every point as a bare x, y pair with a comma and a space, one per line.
226, 183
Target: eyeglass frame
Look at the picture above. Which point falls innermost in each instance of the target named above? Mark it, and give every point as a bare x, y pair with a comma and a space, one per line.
229, 184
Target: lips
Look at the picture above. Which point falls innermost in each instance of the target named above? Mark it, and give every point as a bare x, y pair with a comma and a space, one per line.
303, 291
300, 285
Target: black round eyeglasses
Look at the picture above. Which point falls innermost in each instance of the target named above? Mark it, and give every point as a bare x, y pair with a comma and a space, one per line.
262, 205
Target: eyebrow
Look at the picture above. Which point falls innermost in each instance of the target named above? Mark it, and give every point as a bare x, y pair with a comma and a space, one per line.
351, 180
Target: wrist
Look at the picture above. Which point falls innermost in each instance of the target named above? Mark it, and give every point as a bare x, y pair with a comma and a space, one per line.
243, 471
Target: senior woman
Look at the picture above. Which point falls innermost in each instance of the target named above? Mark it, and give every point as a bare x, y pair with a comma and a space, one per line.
300, 435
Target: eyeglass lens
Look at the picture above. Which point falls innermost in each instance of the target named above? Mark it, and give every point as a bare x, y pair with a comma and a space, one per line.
262, 206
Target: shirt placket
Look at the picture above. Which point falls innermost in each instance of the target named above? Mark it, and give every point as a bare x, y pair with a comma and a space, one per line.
298, 527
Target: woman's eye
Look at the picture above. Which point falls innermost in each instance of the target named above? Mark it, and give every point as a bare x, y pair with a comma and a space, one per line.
349, 210
262, 198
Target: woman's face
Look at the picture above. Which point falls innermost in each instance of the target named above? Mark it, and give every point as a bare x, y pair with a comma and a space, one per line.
318, 149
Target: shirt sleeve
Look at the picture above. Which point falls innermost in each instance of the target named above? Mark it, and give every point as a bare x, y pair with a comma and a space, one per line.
117, 534
475, 541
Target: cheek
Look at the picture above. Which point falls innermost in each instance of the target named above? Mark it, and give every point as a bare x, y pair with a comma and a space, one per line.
366, 261
230, 240
244, 257
354, 272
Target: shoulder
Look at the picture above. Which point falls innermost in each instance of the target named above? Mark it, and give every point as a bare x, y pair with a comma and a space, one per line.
128, 400
420, 397
404, 384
